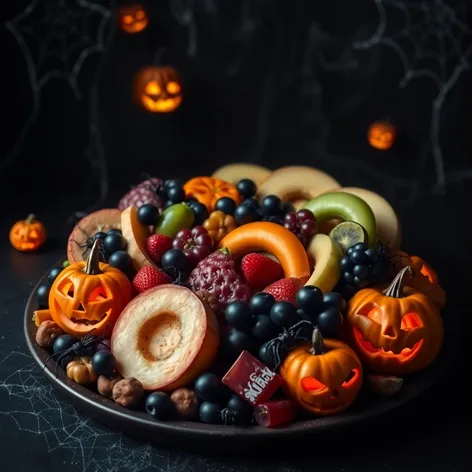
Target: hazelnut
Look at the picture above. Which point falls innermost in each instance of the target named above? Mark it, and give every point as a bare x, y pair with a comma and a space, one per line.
186, 403
105, 385
47, 332
128, 392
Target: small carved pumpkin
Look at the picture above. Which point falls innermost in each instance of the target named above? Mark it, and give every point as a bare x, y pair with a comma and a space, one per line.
323, 377
424, 278
395, 331
80, 370
381, 135
208, 190
89, 296
27, 235
158, 89
132, 18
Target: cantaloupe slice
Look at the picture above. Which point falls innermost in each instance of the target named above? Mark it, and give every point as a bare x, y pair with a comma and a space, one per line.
136, 235
41, 315
295, 183
233, 173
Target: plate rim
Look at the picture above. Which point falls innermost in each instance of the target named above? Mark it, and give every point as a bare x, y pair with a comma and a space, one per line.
88, 401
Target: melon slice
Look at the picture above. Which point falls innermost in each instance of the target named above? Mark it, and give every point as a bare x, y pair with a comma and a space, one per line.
233, 173
100, 220
297, 183
327, 255
165, 338
388, 224
136, 235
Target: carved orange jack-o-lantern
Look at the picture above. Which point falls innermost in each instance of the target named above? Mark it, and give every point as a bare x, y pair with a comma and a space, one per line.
395, 331
158, 89
424, 278
27, 235
323, 377
381, 135
89, 296
132, 18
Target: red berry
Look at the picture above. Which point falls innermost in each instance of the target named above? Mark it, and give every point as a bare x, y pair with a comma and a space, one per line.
259, 270
149, 277
157, 245
275, 413
217, 275
285, 289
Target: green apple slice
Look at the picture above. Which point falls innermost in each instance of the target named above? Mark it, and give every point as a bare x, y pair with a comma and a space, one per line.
327, 255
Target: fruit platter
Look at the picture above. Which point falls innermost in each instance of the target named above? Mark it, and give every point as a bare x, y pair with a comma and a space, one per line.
248, 303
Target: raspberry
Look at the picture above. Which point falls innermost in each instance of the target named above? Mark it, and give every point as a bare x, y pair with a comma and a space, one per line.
145, 192
217, 275
157, 245
149, 277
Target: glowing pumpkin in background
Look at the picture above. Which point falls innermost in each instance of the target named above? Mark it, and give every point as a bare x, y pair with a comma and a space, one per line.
27, 235
324, 376
395, 331
158, 89
89, 296
132, 18
381, 135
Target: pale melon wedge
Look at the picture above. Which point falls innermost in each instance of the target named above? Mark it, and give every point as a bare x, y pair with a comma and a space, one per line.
327, 255
388, 224
233, 173
297, 183
136, 236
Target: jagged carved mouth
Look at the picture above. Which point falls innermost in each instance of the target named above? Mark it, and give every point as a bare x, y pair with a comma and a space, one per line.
404, 353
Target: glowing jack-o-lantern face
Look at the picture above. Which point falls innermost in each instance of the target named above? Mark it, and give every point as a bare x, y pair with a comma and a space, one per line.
158, 89
27, 235
89, 296
132, 18
323, 377
397, 330
381, 135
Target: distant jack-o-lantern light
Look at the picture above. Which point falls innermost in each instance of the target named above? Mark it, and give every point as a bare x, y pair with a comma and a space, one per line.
132, 18
381, 135
158, 89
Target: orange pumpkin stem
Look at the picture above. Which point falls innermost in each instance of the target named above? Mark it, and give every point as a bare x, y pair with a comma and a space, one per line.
395, 289
318, 346
29, 219
93, 261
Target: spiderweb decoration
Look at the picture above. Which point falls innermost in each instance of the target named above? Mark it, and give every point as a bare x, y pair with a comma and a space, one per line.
27, 401
56, 38
433, 42
441, 41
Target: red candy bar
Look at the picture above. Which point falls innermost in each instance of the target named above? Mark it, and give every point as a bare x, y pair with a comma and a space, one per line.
275, 413
251, 379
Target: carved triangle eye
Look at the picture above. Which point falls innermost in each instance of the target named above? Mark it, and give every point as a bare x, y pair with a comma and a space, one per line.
310, 384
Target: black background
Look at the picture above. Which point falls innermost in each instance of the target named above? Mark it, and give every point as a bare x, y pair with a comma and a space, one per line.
270, 82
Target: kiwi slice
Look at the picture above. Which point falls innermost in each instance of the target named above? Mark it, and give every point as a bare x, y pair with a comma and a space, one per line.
347, 234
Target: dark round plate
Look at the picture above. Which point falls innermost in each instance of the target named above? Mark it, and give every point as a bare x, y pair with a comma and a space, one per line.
140, 424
